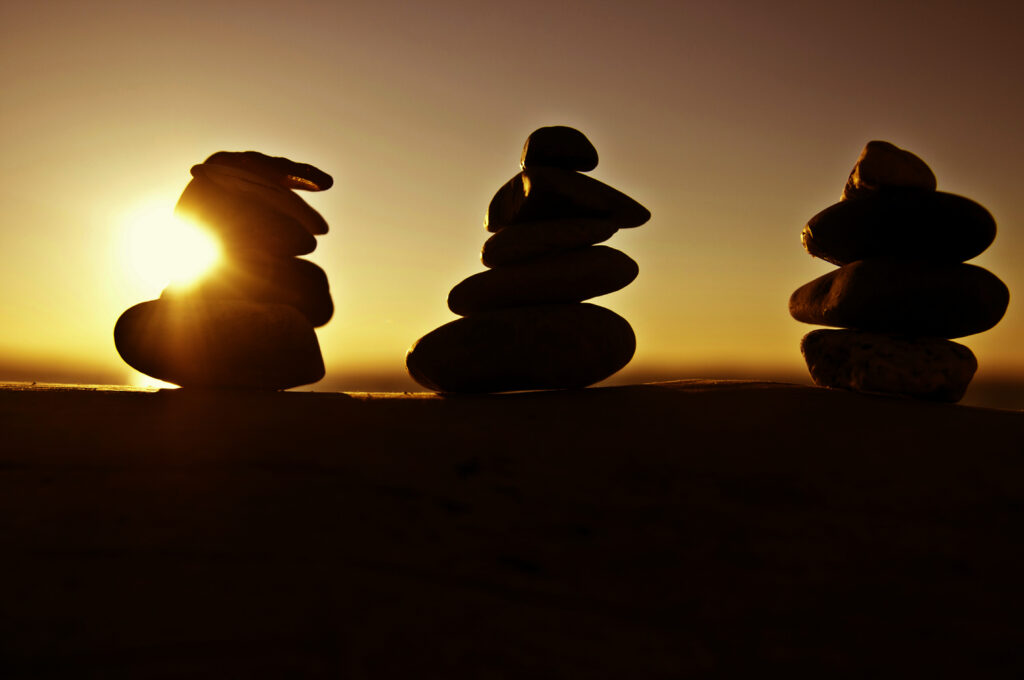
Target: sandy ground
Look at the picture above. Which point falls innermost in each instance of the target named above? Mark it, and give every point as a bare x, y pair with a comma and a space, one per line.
688, 529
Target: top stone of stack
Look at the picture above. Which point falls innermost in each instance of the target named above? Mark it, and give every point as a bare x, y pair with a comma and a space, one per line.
882, 164
558, 146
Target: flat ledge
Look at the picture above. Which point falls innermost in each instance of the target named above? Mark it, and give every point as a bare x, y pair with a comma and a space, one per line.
710, 528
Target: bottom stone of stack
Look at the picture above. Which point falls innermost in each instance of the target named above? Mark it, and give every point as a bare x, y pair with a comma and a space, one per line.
220, 343
538, 347
925, 368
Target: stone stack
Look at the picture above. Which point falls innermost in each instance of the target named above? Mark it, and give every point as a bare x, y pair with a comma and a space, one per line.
524, 325
249, 322
902, 288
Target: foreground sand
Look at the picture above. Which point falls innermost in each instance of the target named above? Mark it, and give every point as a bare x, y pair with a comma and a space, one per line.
697, 528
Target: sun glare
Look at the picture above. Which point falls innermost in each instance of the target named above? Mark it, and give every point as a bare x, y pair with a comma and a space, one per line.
163, 248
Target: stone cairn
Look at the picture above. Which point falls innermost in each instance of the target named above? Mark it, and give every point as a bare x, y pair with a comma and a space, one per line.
249, 322
525, 325
902, 287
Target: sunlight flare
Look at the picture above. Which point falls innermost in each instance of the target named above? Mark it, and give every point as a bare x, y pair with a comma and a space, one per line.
163, 248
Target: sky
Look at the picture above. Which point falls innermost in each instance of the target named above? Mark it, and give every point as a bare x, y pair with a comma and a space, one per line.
733, 122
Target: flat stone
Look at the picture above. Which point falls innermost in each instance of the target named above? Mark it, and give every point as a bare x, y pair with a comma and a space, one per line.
883, 165
558, 146
944, 300
927, 225
241, 223
535, 239
925, 368
287, 281
573, 276
220, 343
255, 188
281, 171
542, 194
523, 348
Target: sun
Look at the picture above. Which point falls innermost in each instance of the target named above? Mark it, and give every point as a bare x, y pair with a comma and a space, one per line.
162, 248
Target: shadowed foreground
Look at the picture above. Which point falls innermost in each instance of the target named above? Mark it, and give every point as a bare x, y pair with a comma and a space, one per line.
702, 528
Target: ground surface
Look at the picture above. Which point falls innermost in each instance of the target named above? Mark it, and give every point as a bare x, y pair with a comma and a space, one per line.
691, 529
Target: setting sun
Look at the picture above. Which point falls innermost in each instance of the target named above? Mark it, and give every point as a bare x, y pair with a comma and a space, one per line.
161, 247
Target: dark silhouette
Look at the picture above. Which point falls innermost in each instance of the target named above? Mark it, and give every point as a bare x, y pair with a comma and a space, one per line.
249, 322
524, 326
902, 288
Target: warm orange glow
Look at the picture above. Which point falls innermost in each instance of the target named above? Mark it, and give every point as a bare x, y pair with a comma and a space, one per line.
161, 247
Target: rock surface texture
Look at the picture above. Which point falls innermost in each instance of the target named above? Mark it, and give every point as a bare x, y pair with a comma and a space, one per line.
525, 325
902, 286
248, 323
696, 529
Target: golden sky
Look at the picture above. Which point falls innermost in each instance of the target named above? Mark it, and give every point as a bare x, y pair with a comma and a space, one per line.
733, 122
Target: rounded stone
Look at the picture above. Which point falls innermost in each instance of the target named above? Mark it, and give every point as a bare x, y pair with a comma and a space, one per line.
535, 239
288, 281
944, 300
558, 146
926, 225
883, 165
281, 171
543, 194
573, 276
523, 348
241, 223
257, 189
924, 368
220, 343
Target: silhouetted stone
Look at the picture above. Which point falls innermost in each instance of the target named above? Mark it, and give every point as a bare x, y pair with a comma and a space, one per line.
926, 368
242, 224
289, 281
558, 146
553, 193
904, 296
281, 171
222, 343
526, 328
914, 224
523, 348
900, 245
882, 165
261, 191
573, 276
535, 239
248, 322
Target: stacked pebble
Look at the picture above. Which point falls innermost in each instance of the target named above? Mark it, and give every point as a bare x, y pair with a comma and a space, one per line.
249, 322
525, 325
902, 288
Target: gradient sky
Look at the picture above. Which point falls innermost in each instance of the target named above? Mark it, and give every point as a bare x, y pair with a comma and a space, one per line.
733, 122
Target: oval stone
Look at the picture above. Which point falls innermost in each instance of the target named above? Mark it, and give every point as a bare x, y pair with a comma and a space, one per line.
924, 368
523, 348
927, 225
288, 281
241, 223
220, 343
573, 276
280, 171
259, 190
558, 146
529, 240
545, 193
910, 297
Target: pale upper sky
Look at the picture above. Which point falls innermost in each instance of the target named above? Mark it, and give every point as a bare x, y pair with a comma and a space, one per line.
733, 122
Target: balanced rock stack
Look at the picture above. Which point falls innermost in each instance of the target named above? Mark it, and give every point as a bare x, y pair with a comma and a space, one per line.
248, 322
525, 326
902, 288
